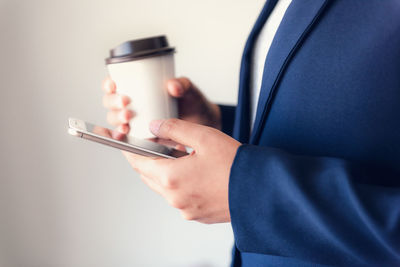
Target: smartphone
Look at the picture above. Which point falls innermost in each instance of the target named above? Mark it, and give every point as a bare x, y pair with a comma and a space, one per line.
144, 147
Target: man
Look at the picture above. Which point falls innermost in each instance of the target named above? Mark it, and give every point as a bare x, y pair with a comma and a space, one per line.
313, 170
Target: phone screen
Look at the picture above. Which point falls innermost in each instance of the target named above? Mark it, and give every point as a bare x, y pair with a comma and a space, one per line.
152, 146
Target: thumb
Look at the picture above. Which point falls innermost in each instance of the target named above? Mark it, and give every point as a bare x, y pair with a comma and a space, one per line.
183, 132
178, 87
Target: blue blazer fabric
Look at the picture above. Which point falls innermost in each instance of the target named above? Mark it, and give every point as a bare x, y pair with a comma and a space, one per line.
317, 182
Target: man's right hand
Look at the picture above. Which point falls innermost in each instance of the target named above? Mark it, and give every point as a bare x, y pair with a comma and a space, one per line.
193, 106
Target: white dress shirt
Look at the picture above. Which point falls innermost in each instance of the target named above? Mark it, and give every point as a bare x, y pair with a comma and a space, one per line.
260, 52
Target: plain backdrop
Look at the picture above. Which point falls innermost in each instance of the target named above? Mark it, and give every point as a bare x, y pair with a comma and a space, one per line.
69, 202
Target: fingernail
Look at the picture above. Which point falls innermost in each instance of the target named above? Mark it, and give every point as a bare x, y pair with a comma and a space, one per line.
178, 86
155, 126
123, 128
125, 100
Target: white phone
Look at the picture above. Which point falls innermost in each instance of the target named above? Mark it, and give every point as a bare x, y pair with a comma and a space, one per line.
121, 141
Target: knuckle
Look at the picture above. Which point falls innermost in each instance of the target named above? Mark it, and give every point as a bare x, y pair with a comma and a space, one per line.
170, 124
176, 203
186, 82
169, 182
188, 216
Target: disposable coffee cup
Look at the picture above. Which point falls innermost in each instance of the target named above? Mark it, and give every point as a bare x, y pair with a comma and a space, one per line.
140, 69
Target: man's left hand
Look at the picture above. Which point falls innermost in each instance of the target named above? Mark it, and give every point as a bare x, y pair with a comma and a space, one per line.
196, 184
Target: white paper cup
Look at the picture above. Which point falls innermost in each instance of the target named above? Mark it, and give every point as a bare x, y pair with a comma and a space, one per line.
140, 69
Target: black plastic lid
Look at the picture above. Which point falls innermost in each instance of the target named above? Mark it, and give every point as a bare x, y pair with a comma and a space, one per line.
138, 49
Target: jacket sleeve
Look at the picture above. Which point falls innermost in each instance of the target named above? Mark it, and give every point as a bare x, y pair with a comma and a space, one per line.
319, 209
228, 118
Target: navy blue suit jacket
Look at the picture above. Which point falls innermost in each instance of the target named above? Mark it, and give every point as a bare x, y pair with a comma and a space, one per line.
318, 180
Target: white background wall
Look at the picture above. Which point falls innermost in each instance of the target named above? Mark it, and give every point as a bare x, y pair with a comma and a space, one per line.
67, 202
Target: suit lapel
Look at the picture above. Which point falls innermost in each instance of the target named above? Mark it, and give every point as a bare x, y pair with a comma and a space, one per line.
296, 24
241, 129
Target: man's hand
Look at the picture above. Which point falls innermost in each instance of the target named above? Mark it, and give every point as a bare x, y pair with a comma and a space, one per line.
192, 104
196, 184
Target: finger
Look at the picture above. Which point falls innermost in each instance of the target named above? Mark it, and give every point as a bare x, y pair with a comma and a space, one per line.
180, 148
153, 168
114, 101
183, 132
118, 135
153, 185
102, 131
164, 142
108, 86
179, 86
123, 128
118, 117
